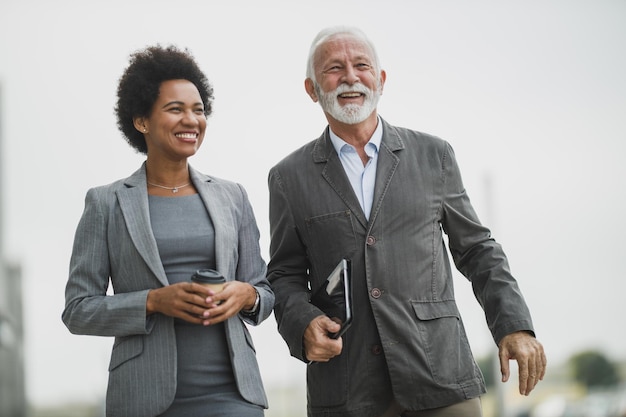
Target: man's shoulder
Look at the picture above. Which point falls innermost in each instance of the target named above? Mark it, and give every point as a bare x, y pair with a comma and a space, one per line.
415, 144
414, 137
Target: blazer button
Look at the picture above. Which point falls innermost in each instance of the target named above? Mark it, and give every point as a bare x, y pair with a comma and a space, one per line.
376, 293
377, 349
371, 240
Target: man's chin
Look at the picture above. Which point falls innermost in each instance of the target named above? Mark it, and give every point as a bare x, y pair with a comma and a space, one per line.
351, 118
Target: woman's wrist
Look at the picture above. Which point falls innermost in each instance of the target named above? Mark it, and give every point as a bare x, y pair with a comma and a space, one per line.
254, 306
149, 304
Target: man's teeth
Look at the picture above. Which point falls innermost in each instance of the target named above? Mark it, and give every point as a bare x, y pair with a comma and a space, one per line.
350, 95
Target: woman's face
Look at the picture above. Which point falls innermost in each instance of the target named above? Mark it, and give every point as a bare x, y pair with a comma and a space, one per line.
176, 125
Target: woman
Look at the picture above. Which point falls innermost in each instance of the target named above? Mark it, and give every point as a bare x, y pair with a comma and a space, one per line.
180, 349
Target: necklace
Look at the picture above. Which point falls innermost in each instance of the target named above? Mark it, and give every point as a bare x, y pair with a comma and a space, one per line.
173, 189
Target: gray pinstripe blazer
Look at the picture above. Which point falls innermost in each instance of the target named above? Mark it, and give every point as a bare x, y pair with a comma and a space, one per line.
114, 241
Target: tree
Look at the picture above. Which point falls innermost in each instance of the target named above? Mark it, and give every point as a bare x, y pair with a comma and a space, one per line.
593, 369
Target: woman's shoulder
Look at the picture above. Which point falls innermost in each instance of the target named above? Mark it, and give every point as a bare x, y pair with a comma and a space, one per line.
202, 178
102, 191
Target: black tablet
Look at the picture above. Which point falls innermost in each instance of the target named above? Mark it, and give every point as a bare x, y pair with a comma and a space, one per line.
334, 297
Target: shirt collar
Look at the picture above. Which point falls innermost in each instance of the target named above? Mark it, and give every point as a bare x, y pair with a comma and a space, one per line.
375, 140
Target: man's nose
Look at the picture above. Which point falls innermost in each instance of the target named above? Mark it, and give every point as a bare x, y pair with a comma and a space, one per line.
350, 76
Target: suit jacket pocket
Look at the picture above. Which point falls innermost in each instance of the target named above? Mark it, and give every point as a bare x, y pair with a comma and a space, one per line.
125, 349
444, 342
330, 237
327, 382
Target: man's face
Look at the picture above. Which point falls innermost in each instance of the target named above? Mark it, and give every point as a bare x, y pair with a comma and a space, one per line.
347, 84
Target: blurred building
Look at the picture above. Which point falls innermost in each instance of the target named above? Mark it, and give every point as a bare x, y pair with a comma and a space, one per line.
12, 384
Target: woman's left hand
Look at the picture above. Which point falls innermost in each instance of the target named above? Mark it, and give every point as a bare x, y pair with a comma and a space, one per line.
235, 296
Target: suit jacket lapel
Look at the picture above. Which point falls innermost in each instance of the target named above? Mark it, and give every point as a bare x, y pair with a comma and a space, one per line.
133, 202
387, 163
335, 175
333, 172
218, 206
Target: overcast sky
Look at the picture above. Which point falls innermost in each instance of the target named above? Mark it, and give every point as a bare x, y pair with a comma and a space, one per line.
531, 95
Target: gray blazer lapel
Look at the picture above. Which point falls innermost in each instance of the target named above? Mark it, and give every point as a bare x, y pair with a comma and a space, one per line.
387, 163
133, 202
218, 205
335, 175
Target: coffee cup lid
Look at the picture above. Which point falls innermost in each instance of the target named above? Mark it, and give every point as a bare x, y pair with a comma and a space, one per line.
207, 276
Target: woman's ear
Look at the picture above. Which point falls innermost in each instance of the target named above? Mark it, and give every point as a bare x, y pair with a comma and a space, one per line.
140, 124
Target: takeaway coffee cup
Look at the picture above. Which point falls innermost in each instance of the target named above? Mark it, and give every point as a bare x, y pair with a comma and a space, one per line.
209, 278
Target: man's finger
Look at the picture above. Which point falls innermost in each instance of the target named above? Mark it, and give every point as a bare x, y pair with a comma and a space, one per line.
504, 367
527, 377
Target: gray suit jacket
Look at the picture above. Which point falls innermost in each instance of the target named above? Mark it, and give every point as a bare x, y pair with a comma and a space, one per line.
114, 241
407, 339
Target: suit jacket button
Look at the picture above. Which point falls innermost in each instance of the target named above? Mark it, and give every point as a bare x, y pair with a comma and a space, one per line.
371, 240
376, 293
377, 349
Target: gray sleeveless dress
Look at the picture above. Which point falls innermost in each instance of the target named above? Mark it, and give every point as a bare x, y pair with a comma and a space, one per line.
205, 381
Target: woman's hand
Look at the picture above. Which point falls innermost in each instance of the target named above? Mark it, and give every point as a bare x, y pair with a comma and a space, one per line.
235, 297
184, 300
197, 304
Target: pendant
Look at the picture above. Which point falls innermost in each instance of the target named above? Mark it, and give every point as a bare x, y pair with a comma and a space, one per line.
175, 190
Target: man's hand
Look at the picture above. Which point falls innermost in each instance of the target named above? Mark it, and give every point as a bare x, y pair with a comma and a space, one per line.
530, 357
318, 347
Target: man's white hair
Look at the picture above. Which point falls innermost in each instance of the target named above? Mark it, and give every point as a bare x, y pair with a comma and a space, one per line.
326, 34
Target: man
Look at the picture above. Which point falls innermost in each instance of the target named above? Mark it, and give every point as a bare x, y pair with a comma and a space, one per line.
383, 196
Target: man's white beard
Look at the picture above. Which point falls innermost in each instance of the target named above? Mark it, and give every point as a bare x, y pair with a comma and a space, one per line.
351, 113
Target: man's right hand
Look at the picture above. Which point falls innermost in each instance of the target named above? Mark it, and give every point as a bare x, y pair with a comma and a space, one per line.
318, 346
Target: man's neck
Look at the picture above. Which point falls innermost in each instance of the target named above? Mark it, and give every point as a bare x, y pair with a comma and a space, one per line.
356, 135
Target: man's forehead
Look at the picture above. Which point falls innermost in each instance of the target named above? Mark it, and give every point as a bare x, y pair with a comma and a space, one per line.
341, 42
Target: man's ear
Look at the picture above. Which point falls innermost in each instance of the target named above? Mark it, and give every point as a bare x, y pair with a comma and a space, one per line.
309, 86
140, 124
383, 77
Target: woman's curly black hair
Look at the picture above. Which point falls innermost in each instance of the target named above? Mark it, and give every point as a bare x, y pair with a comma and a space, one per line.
139, 85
